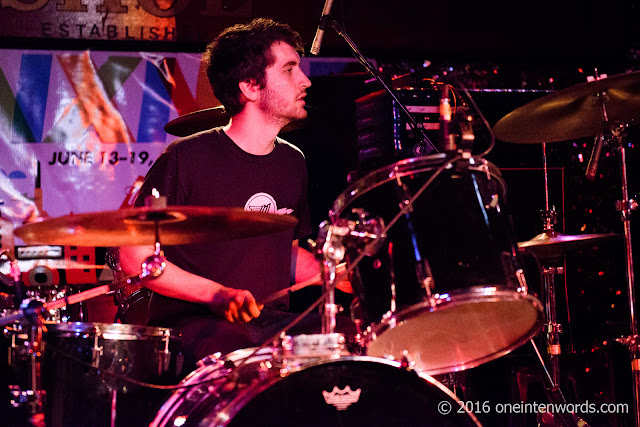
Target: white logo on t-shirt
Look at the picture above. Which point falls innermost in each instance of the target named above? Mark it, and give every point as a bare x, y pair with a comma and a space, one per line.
265, 203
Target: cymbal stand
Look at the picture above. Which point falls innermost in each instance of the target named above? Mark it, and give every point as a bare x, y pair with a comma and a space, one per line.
333, 252
625, 206
366, 233
552, 328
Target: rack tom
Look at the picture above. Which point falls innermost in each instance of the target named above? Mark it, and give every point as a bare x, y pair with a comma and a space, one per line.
446, 288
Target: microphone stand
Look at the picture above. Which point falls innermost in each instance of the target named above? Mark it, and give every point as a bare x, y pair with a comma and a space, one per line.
427, 146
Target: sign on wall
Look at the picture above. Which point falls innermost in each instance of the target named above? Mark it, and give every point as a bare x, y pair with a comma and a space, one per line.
148, 20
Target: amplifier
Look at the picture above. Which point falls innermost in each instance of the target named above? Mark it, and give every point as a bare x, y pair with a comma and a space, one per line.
385, 135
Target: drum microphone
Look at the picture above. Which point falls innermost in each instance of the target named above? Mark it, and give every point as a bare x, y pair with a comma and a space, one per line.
448, 139
317, 40
592, 166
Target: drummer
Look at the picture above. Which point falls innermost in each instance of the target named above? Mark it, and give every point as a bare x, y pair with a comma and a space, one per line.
211, 291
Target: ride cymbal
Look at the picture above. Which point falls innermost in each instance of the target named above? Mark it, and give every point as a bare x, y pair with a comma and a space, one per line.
131, 227
575, 112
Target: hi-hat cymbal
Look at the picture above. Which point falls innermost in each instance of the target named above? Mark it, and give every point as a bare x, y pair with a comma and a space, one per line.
574, 112
551, 244
177, 225
209, 118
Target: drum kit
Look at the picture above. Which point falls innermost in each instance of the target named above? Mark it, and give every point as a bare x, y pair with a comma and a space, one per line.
437, 277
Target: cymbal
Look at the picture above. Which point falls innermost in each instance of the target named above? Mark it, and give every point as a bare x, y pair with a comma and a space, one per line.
573, 112
551, 244
209, 118
131, 227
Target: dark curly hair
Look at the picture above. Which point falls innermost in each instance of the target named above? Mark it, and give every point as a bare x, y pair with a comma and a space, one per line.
241, 53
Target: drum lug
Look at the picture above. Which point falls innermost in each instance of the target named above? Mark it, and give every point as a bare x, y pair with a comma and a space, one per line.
211, 359
96, 352
164, 356
522, 281
389, 319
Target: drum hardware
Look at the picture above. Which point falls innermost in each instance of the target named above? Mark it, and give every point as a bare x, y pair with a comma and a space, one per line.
625, 206
332, 238
604, 107
333, 253
555, 395
553, 329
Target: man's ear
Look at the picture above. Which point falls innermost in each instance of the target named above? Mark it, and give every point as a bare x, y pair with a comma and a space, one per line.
249, 89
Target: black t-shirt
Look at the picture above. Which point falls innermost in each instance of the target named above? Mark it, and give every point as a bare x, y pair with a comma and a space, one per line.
209, 169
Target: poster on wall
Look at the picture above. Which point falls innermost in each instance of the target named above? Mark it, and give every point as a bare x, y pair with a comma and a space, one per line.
89, 122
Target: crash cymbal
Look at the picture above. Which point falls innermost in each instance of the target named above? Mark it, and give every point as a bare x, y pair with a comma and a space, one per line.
574, 112
209, 118
131, 227
551, 244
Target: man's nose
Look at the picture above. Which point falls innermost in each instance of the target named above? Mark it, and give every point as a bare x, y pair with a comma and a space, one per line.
304, 81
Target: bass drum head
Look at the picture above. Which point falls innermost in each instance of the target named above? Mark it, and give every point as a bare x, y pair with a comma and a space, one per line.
352, 391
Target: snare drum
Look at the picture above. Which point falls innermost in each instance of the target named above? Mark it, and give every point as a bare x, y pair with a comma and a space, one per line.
268, 390
446, 289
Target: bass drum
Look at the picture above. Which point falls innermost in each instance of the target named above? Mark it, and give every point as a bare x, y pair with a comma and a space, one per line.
446, 288
347, 391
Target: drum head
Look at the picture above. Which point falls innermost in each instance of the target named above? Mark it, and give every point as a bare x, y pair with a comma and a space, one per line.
460, 334
352, 391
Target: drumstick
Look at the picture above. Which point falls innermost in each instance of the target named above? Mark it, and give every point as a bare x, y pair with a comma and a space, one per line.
315, 280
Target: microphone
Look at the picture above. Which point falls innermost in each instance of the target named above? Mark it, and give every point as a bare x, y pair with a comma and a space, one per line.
317, 40
448, 139
592, 166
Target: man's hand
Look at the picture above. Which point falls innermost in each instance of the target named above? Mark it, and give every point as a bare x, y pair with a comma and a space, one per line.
236, 305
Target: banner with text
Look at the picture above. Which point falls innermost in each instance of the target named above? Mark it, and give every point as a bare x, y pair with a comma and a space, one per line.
93, 122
